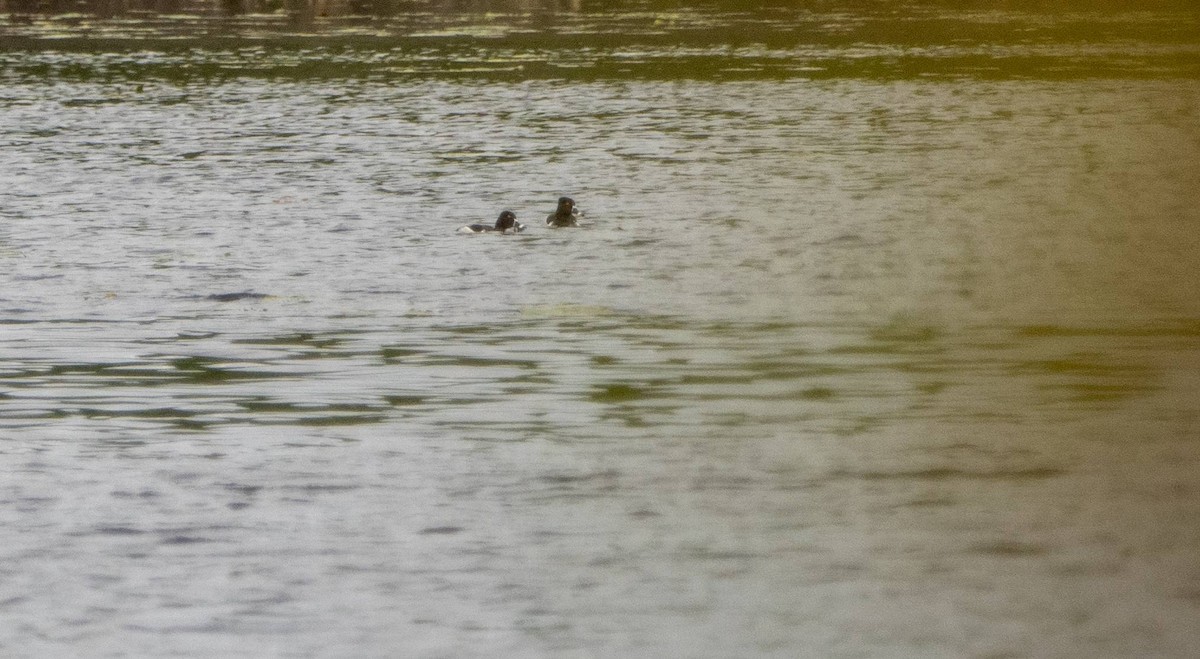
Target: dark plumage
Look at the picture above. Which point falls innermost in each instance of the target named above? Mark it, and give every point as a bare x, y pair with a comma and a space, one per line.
566, 215
506, 223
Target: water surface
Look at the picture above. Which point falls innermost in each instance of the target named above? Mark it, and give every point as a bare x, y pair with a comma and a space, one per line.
877, 342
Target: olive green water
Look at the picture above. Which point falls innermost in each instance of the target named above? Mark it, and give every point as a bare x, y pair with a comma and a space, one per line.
882, 337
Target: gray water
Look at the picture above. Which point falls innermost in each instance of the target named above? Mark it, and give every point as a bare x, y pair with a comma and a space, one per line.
865, 348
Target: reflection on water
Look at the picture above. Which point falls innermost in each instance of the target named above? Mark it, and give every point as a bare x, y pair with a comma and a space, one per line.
828, 40
581, 478
880, 339
660, 376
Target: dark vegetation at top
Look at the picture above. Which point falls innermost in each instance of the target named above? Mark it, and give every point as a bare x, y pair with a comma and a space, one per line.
24, 10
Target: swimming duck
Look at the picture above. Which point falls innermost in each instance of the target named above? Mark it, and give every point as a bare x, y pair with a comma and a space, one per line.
566, 215
506, 223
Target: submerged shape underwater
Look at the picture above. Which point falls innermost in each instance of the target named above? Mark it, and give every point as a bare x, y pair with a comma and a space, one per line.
880, 336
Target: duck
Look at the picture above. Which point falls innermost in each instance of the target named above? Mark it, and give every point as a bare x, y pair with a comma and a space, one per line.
566, 215
506, 223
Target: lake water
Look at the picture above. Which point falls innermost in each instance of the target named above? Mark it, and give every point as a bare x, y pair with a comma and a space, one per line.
881, 338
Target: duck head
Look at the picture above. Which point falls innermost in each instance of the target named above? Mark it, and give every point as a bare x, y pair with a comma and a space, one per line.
506, 221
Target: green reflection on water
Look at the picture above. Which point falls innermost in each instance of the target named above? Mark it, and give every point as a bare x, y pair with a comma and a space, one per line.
691, 378
625, 41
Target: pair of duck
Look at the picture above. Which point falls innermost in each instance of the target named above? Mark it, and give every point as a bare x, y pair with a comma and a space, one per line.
566, 215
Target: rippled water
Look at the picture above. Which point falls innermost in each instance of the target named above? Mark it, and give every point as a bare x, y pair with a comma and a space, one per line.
872, 345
